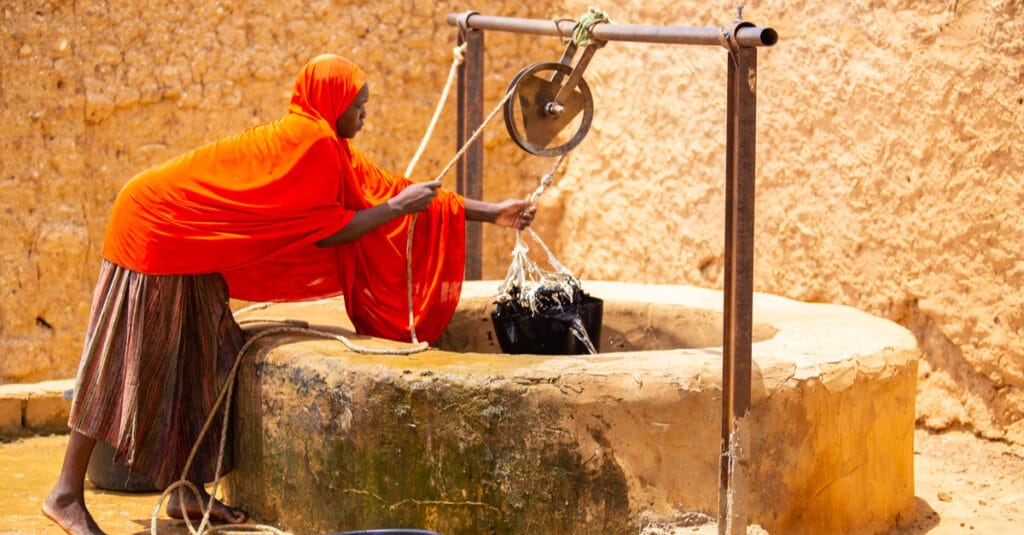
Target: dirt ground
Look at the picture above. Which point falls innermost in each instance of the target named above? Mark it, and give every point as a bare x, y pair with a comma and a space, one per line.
964, 484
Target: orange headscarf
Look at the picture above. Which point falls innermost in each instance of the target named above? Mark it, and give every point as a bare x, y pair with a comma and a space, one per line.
252, 206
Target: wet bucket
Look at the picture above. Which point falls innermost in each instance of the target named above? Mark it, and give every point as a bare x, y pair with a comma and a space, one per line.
549, 331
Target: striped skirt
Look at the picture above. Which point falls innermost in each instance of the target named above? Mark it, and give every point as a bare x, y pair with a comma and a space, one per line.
158, 350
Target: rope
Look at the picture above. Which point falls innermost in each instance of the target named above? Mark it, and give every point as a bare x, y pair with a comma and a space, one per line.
226, 393
522, 268
545, 181
476, 134
459, 59
408, 279
465, 146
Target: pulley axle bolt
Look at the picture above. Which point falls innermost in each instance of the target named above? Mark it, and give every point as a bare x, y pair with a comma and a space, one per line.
554, 109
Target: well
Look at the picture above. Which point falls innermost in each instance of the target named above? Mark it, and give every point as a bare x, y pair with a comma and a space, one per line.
462, 440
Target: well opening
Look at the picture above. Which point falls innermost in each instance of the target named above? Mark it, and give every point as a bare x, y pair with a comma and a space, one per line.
629, 325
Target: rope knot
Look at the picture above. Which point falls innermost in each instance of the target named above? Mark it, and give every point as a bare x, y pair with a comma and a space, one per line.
459, 53
582, 34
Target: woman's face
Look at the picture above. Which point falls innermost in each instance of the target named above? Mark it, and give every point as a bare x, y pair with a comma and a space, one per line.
351, 122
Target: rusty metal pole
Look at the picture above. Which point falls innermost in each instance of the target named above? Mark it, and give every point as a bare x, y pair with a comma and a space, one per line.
470, 169
741, 135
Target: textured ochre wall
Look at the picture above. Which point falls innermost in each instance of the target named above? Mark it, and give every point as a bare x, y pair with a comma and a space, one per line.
94, 92
889, 168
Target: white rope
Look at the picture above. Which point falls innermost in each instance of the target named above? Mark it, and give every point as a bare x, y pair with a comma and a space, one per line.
458, 60
408, 279
476, 134
523, 274
465, 146
545, 181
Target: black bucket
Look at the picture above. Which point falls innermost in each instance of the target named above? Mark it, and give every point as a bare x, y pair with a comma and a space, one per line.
522, 331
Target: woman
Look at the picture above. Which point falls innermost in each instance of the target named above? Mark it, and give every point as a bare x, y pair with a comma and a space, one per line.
287, 210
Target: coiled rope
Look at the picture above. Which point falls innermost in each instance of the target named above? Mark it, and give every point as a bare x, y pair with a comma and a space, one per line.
226, 393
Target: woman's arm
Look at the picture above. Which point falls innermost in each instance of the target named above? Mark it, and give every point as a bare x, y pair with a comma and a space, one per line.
511, 213
414, 198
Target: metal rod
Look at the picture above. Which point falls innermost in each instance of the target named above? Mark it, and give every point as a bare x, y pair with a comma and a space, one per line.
678, 35
577, 74
741, 132
471, 168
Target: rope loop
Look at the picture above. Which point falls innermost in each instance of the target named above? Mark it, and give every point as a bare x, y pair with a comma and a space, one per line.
583, 34
464, 20
224, 399
459, 53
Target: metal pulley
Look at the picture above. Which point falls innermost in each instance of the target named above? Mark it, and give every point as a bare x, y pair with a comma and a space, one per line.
550, 109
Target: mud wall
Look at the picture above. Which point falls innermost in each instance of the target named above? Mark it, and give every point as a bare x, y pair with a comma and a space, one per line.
889, 166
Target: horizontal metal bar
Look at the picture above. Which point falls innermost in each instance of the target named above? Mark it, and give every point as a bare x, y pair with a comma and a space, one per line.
675, 35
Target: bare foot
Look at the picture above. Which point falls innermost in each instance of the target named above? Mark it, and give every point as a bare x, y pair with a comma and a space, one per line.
70, 514
221, 512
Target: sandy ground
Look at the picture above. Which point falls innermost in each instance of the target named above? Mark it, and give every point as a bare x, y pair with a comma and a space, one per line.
964, 484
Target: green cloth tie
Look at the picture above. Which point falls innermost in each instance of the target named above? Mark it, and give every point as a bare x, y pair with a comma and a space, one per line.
581, 35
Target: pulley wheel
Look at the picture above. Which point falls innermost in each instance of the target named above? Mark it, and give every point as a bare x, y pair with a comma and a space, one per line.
537, 123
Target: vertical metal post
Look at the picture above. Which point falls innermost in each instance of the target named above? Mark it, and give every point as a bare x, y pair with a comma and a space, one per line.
470, 168
741, 136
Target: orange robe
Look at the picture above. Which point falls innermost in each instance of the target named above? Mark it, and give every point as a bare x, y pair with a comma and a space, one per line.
252, 207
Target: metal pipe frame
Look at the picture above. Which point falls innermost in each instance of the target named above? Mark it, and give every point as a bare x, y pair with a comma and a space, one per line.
470, 168
741, 39
673, 35
737, 328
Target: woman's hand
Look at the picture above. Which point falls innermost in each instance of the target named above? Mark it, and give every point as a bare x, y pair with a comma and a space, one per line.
515, 213
415, 197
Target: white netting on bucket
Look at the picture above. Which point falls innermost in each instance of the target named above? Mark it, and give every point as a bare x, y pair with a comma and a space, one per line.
528, 285
531, 293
